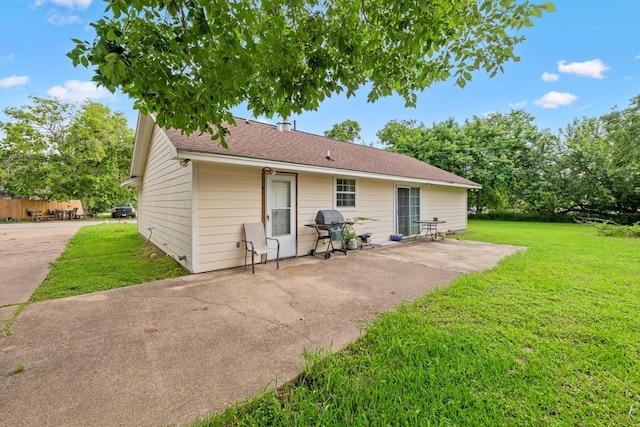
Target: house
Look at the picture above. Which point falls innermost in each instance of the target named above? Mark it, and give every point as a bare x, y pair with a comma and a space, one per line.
194, 196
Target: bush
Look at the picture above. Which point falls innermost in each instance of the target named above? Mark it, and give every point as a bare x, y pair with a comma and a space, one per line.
629, 219
614, 230
522, 216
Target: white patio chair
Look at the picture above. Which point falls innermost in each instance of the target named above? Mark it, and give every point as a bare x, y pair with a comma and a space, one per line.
255, 241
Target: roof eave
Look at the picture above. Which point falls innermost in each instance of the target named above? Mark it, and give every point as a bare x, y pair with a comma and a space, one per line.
296, 167
134, 181
144, 130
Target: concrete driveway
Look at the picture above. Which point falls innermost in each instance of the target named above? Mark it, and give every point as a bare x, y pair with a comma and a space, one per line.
171, 351
26, 249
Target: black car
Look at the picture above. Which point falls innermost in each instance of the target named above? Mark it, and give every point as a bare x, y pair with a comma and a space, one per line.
122, 211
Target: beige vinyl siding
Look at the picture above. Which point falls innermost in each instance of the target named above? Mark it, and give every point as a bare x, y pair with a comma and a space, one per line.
447, 203
228, 196
376, 201
315, 192
164, 201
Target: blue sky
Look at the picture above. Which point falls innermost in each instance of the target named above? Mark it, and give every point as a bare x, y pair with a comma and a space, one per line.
580, 61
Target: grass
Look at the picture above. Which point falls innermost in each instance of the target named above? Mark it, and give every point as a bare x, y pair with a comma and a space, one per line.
101, 257
6, 328
549, 337
17, 369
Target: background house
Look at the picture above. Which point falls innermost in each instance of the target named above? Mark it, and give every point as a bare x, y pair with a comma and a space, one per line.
194, 196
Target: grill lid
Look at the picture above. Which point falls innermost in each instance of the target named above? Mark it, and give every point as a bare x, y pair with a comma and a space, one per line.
327, 217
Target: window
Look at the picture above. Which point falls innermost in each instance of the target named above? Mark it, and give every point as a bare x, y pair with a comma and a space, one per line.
345, 193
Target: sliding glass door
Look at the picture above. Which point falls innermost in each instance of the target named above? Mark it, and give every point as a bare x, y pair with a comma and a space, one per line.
407, 210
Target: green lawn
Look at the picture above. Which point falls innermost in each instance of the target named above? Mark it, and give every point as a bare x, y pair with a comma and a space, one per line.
105, 256
549, 337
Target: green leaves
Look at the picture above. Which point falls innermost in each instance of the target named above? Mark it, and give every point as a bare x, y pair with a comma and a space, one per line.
548, 7
55, 150
592, 168
192, 61
347, 131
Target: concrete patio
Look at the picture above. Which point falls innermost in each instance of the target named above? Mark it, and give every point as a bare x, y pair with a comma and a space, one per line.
172, 351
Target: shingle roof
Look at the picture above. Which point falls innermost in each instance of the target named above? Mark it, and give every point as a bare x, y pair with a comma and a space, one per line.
256, 140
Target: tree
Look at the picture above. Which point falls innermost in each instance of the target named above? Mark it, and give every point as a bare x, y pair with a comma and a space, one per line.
347, 131
623, 130
54, 150
31, 132
516, 157
584, 167
595, 177
192, 61
623, 133
505, 153
442, 145
537, 184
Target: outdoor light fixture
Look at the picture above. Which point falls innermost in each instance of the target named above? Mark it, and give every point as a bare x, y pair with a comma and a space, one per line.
268, 170
184, 162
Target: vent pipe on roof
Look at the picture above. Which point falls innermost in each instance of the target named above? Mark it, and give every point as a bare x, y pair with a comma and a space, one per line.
286, 125
279, 126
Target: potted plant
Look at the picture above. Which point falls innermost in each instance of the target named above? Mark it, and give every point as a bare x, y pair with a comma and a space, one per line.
350, 238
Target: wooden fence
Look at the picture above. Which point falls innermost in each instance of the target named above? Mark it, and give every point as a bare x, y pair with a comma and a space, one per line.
17, 208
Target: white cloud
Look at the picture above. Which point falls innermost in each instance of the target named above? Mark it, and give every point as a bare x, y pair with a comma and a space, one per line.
550, 77
13, 81
6, 58
637, 56
77, 91
556, 99
593, 68
57, 19
71, 4
516, 105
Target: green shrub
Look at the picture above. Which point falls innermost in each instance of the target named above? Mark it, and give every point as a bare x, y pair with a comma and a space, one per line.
514, 215
522, 216
615, 230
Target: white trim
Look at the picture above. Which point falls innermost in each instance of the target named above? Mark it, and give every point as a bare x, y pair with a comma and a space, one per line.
194, 218
466, 210
395, 210
135, 181
294, 167
289, 241
144, 133
173, 151
335, 194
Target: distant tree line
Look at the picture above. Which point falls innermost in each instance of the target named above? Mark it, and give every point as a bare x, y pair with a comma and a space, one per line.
53, 150
591, 168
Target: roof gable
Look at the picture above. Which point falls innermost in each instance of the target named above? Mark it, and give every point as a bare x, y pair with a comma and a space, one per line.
256, 140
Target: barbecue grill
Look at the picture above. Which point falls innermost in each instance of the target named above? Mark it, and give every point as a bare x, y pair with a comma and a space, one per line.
329, 225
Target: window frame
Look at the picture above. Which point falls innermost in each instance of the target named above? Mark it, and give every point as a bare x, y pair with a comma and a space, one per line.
414, 228
336, 193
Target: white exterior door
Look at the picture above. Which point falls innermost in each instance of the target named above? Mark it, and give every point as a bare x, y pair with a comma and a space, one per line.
281, 212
